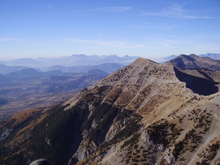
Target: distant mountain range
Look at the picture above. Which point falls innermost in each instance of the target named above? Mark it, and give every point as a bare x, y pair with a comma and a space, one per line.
8, 69
106, 67
30, 72
16, 72
215, 56
73, 60
69, 62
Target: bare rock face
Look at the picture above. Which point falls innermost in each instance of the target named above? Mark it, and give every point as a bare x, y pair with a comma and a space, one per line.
145, 113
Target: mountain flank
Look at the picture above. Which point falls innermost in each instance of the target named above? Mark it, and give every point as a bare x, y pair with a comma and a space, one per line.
143, 113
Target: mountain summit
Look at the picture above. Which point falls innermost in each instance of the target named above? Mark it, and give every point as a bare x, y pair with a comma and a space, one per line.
145, 113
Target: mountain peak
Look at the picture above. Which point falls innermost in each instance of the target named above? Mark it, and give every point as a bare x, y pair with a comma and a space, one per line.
142, 62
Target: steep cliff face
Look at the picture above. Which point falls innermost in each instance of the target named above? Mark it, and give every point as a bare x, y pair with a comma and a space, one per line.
145, 113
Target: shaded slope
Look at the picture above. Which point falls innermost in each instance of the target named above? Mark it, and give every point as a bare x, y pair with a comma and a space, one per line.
196, 84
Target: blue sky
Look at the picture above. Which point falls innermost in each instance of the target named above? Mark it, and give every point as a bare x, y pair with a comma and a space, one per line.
146, 28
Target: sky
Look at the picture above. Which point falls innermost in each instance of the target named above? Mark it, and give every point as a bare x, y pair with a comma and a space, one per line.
145, 28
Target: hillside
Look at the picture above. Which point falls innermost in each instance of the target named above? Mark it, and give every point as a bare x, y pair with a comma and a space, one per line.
142, 114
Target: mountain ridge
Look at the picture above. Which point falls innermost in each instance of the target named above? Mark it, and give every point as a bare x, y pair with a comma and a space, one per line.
193, 62
106, 67
7, 69
214, 56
